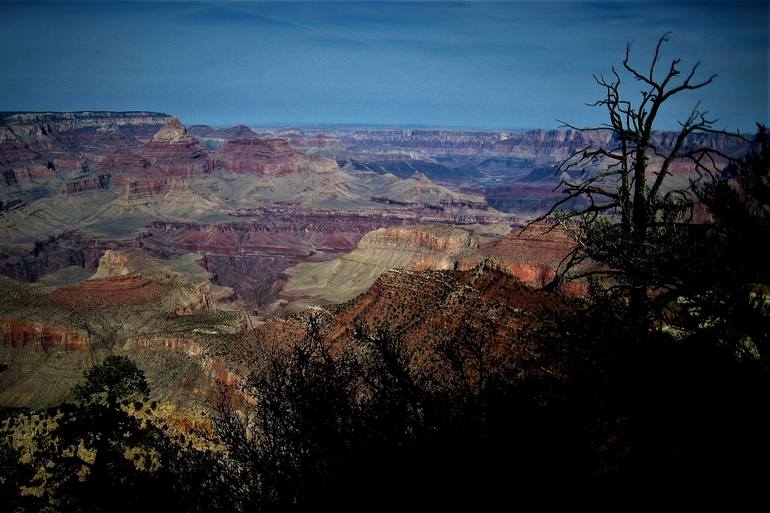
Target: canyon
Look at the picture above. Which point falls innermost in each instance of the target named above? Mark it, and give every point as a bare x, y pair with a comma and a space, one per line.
131, 232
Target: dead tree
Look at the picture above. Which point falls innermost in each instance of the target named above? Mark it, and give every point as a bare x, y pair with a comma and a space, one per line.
621, 186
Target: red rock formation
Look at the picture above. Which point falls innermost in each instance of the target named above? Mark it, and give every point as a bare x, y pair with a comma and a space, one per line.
430, 308
27, 174
19, 333
110, 292
532, 256
268, 157
171, 152
16, 153
33, 145
137, 189
292, 232
145, 189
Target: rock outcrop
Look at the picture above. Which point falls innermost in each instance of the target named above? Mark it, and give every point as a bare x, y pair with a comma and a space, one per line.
175, 152
531, 257
136, 305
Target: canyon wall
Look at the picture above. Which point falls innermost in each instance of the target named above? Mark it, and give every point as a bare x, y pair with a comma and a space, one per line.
35, 125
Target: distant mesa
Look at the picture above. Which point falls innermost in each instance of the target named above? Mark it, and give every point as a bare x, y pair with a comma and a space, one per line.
210, 134
268, 157
241, 131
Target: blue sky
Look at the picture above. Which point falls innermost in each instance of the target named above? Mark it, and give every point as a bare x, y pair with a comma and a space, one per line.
486, 65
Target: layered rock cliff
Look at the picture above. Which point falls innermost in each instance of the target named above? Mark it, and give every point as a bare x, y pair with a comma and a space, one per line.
36, 125
268, 157
134, 304
535, 145
53, 254
413, 247
42, 338
532, 256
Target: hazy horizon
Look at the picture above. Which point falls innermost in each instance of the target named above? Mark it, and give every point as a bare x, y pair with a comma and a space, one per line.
484, 66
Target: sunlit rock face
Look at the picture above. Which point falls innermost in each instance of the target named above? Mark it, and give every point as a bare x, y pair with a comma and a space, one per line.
410, 247
436, 239
173, 132
531, 257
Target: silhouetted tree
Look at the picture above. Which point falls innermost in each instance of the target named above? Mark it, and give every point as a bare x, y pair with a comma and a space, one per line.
379, 423
108, 453
288, 443
626, 202
85, 454
116, 378
13, 474
683, 408
727, 274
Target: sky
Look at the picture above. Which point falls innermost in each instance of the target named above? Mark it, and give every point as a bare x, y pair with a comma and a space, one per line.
506, 65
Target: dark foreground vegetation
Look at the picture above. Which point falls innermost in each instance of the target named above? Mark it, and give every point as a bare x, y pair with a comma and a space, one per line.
680, 403
663, 387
